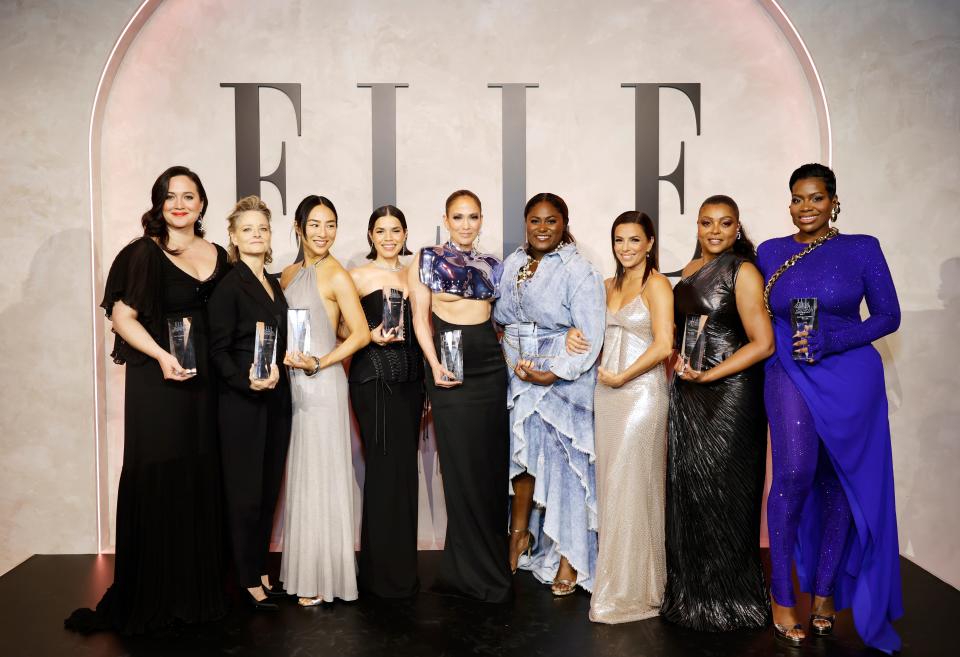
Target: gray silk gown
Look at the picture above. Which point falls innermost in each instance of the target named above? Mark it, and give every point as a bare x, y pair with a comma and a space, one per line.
318, 521
631, 444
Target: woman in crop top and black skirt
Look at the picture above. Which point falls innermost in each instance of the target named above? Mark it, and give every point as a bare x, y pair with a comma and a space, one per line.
455, 286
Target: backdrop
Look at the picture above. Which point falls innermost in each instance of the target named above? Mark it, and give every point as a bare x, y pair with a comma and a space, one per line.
894, 111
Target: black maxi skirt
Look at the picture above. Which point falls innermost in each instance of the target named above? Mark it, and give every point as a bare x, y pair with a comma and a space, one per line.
471, 424
389, 416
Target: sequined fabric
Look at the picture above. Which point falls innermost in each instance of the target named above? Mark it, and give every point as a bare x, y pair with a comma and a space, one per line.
715, 470
467, 274
845, 426
631, 444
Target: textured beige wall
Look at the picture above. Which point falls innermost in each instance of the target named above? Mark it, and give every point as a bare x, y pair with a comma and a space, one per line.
886, 67
52, 54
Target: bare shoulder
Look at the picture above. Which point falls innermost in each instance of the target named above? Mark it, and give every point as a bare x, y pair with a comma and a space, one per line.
657, 283
288, 273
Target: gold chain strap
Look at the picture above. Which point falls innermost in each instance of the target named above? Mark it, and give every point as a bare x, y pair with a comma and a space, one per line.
794, 259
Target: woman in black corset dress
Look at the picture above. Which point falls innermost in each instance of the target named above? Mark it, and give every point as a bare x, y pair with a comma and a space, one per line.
717, 433
168, 568
454, 285
386, 393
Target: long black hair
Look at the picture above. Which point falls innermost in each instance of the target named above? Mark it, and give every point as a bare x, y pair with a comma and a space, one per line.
742, 246
386, 211
559, 205
154, 225
642, 220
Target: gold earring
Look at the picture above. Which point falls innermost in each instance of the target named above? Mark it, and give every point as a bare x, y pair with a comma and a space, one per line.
835, 212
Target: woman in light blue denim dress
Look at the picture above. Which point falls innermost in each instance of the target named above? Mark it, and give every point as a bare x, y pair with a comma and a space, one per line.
548, 287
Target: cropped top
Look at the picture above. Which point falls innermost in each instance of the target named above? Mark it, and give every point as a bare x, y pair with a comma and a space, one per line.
471, 275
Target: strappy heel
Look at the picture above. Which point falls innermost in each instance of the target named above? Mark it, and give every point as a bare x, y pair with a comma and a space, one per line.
528, 550
824, 629
782, 635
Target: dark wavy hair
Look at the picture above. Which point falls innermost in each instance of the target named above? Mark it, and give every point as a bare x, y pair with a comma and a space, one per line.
386, 211
560, 205
306, 207
815, 170
457, 194
646, 223
742, 246
154, 225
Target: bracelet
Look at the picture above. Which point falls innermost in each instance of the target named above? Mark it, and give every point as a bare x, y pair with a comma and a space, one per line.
316, 362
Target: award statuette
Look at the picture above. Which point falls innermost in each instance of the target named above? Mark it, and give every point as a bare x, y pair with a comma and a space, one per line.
180, 331
527, 338
393, 312
803, 313
298, 330
264, 350
693, 342
451, 353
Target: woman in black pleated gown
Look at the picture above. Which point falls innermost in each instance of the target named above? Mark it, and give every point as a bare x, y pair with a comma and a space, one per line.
168, 568
386, 393
717, 435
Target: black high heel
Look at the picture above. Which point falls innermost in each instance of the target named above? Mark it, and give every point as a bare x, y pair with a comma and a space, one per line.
825, 630
780, 633
275, 593
261, 605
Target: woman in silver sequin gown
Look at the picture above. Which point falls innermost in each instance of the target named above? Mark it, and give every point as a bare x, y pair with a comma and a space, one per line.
630, 408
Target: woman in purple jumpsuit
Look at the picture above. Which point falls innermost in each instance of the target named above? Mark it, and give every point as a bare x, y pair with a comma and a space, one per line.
831, 505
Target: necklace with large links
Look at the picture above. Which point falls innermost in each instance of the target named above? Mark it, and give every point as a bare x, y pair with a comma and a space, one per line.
791, 261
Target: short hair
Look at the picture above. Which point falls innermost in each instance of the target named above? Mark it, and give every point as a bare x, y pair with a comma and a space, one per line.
815, 170
247, 204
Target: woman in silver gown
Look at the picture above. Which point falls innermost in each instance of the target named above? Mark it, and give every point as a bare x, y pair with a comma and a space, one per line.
319, 562
630, 415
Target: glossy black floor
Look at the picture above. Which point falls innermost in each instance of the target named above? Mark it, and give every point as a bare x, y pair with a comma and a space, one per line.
37, 595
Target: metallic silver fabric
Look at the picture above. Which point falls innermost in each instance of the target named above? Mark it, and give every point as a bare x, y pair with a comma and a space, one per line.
631, 444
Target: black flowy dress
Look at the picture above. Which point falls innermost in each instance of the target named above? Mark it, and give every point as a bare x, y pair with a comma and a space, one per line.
716, 455
169, 551
386, 393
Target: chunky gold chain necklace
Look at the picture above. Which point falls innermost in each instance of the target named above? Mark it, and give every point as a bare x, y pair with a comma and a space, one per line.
791, 261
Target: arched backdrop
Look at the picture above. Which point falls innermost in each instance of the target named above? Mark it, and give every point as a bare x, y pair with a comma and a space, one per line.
740, 93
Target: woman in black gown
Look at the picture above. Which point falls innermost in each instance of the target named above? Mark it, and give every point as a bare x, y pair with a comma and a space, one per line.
454, 285
717, 433
386, 392
168, 566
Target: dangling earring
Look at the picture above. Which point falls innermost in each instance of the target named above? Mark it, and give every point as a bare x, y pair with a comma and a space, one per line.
738, 234
835, 212
476, 242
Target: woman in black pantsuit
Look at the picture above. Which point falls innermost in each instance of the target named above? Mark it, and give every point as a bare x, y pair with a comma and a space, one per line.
254, 414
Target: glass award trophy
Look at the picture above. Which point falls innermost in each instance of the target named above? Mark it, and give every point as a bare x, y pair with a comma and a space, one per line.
393, 312
298, 330
693, 344
451, 353
528, 348
803, 313
264, 350
180, 330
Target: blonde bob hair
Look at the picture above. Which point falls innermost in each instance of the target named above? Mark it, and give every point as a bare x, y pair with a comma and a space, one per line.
246, 204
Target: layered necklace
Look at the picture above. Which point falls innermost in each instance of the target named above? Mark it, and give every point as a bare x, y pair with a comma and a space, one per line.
529, 268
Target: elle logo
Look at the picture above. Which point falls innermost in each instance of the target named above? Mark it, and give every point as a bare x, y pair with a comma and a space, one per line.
514, 118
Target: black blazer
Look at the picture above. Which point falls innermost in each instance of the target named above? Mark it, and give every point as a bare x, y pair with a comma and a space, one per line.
237, 304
